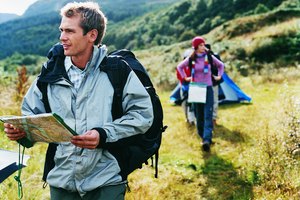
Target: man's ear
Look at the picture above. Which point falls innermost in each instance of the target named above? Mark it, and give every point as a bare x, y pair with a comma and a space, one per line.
93, 34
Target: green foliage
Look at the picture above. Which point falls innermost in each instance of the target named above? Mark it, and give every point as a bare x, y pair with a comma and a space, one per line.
183, 19
253, 177
275, 171
29, 35
32, 63
178, 10
38, 30
255, 154
261, 8
137, 24
250, 158
271, 48
6, 78
187, 35
274, 47
240, 53
291, 126
255, 23
290, 4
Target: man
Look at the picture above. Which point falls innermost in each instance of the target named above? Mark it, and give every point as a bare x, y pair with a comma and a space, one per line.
215, 87
82, 96
187, 107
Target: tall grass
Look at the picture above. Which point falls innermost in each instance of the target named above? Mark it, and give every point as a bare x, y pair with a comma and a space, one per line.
22, 83
253, 156
273, 167
250, 158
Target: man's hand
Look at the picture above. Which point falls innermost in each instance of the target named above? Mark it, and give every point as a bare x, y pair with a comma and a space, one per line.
89, 139
12, 132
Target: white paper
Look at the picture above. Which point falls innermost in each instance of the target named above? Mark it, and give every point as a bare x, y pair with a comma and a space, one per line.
197, 93
9, 157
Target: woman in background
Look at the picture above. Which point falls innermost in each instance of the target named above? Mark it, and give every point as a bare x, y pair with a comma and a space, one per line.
200, 72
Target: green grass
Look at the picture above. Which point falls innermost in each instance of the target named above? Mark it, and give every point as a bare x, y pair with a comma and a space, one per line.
237, 165
251, 156
247, 161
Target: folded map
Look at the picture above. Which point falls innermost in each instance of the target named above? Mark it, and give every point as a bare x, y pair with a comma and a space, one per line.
47, 127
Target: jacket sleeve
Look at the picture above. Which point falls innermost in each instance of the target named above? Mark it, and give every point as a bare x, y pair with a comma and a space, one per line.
137, 117
31, 105
179, 77
181, 70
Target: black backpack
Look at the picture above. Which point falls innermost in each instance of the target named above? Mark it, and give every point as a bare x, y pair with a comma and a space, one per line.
133, 151
130, 152
214, 69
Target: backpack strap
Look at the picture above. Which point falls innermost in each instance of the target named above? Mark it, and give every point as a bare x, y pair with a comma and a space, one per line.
156, 164
52, 73
135, 65
49, 160
191, 64
117, 71
214, 69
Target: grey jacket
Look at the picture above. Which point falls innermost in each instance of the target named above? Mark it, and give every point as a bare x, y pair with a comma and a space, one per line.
83, 170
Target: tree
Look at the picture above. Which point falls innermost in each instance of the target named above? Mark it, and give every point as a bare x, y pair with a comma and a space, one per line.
261, 8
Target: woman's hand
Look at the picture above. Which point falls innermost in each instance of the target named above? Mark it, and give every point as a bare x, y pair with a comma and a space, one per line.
188, 79
217, 78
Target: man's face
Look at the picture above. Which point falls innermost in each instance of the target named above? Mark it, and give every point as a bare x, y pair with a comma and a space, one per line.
72, 38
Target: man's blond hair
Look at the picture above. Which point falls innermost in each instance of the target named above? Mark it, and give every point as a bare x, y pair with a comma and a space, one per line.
91, 17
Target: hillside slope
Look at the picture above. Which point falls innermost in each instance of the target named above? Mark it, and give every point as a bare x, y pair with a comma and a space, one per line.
247, 161
136, 24
4, 17
183, 20
248, 45
116, 10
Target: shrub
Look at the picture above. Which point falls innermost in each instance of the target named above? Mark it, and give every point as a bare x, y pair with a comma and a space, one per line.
292, 127
260, 8
22, 83
240, 53
187, 35
269, 49
275, 163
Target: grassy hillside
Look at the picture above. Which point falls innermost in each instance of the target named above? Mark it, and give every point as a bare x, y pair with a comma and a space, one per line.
256, 150
137, 24
4, 17
37, 30
182, 21
115, 10
266, 44
251, 157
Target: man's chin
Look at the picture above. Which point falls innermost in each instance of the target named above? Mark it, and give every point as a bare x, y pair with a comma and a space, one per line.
67, 53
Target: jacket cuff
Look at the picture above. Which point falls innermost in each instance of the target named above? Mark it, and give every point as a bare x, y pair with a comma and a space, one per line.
25, 142
102, 135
